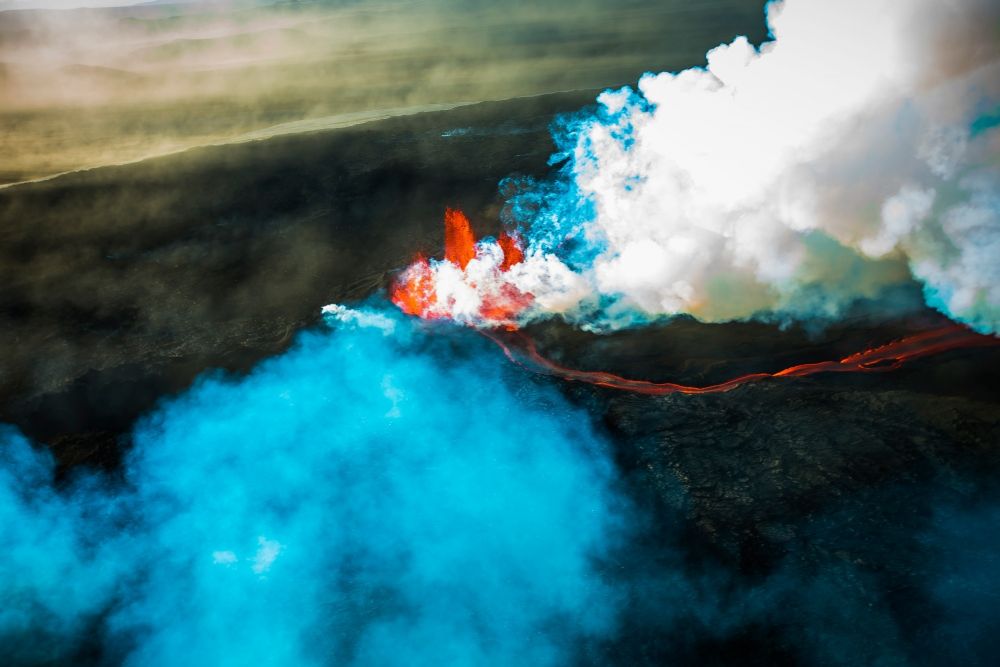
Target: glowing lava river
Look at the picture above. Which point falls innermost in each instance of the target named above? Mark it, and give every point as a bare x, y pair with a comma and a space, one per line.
884, 358
427, 290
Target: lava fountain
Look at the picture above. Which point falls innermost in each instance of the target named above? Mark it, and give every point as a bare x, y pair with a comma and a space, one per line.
473, 283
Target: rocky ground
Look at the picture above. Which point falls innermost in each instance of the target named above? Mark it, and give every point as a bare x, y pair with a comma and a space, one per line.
801, 520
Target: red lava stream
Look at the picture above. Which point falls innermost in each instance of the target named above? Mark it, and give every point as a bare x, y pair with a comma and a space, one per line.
878, 359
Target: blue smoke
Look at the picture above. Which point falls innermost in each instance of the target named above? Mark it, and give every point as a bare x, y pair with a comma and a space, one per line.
964, 576
374, 496
56, 574
380, 496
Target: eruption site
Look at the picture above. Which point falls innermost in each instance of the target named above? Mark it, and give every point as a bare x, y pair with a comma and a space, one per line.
784, 181
474, 284
197, 472
451, 289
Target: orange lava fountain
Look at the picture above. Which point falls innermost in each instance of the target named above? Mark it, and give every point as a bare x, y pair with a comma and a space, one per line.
459, 243
416, 291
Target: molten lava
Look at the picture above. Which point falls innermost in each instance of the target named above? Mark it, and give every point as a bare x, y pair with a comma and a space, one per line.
512, 252
414, 294
459, 244
884, 358
472, 284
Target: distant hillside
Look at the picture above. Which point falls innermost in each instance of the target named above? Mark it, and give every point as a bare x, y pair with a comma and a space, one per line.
88, 87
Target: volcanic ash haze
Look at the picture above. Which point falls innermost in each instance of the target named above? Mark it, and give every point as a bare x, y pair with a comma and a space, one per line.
855, 152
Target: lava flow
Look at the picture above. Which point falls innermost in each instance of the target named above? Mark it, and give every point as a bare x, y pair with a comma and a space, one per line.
476, 284
884, 358
473, 284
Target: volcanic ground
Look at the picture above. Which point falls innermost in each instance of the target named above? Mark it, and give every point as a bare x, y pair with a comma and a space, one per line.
121, 285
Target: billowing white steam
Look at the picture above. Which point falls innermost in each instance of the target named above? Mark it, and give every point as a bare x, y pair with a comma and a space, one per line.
853, 152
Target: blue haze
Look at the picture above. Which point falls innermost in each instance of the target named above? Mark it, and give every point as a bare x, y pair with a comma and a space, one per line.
374, 496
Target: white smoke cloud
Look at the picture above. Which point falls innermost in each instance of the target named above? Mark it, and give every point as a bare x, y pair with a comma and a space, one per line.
846, 155
717, 190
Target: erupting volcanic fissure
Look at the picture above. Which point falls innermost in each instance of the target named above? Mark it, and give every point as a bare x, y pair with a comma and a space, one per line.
471, 286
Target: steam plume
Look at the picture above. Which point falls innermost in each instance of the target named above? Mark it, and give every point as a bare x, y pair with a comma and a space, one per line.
855, 152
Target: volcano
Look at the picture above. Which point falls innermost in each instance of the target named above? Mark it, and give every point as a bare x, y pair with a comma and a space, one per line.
294, 398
